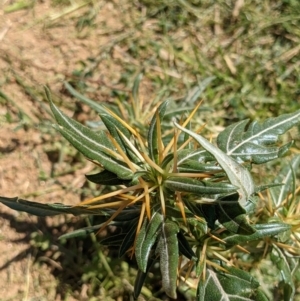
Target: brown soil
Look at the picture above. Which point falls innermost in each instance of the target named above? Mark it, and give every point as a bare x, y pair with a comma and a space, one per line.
42, 55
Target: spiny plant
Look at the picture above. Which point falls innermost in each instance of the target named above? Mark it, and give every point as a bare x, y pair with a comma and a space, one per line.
185, 202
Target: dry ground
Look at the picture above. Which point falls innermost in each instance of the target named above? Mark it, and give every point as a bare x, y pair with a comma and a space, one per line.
43, 55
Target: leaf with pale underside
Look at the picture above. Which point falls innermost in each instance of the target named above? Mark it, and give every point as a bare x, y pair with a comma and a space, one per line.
194, 166
146, 239
256, 142
168, 251
236, 173
185, 184
235, 285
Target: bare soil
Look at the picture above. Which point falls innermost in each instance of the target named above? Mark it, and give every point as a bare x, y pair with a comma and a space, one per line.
44, 55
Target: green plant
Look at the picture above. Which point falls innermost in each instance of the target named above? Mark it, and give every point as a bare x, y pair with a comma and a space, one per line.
177, 195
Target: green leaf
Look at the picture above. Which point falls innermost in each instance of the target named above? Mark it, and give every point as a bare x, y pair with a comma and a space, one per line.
92, 104
236, 285
89, 148
95, 146
176, 213
208, 211
281, 261
256, 143
83, 232
129, 238
237, 224
185, 184
167, 159
262, 231
152, 132
232, 216
261, 296
43, 209
199, 155
167, 249
113, 125
146, 239
140, 279
127, 214
99, 138
135, 88
199, 230
196, 167
197, 91
236, 173
124, 225
106, 177
185, 248
117, 130
287, 178
113, 240
39, 209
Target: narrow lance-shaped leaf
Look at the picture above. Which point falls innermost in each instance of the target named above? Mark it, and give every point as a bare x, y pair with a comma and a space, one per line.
140, 279
185, 248
94, 145
237, 174
135, 89
146, 239
113, 240
88, 149
262, 231
91, 103
236, 285
152, 133
99, 138
129, 238
113, 125
280, 259
167, 249
196, 167
199, 90
286, 177
256, 143
106, 177
44, 209
83, 232
121, 134
127, 214
238, 224
198, 187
